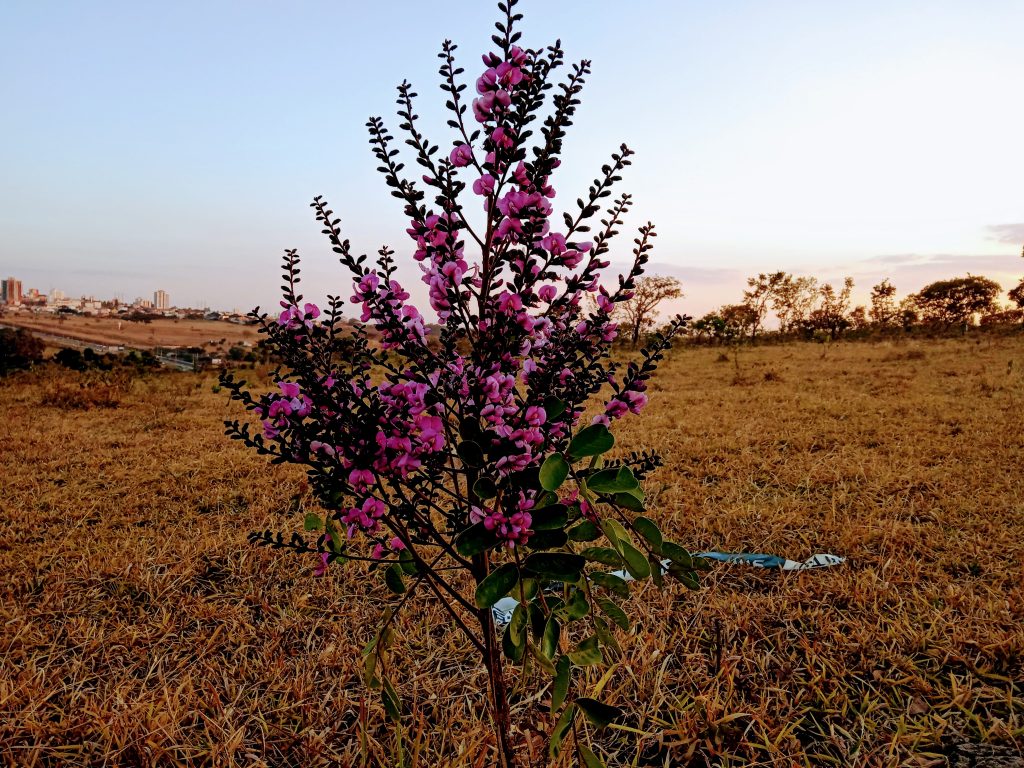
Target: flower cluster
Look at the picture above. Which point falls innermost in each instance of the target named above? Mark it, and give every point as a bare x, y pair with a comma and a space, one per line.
400, 323
283, 411
510, 525
402, 427
441, 259
440, 444
294, 318
497, 82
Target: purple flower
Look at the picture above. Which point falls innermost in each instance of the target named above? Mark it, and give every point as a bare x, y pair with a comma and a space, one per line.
462, 155
484, 186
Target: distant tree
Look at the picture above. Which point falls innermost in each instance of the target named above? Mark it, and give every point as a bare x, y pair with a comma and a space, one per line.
859, 318
740, 321
1017, 294
641, 311
831, 313
18, 349
70, 358
760, 292
956, 301
907, 314
1003, 317
793, 300
710, 327
884, 311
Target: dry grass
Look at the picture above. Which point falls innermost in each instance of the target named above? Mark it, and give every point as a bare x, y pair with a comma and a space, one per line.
140, 628
161, 332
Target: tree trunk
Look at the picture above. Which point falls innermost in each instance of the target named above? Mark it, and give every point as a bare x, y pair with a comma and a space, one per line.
500, 713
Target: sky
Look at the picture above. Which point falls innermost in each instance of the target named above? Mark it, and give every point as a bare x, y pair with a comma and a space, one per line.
178, 145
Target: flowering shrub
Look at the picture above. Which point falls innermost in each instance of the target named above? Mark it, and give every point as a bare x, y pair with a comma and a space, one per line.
457, 457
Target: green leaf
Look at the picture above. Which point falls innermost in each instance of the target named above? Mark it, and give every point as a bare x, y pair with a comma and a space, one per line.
549, 641
561, 684
636, 562
485, 488
657, 571
391, 700
578, 605
604, 632
553, 472
689, 577
370, 660
337, 541
613, 612
563, 566
471, 453
587, 653
561, 728
546, 499
393, 578
603, 555
613, 480
553, 408
518, 621
312, 522
538, 620
474, 540
496, 585
528, 589
627, 478
631, 500
598, 713
591, 441
407, 563
585, 531
614, 531
549, 518
647, 528
590, 760
544, 661
547, 540
677, 554
611, 582
513, 642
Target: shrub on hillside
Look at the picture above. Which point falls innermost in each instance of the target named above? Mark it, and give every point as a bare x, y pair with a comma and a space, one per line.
92, 389
19, 349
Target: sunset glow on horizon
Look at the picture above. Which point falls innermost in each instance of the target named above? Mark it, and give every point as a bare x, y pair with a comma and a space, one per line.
178, 147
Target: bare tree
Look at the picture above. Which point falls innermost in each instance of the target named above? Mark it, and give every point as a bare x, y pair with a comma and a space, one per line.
884, 311
641, 311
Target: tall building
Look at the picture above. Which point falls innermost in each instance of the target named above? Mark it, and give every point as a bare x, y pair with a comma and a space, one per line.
11, 291
161, 300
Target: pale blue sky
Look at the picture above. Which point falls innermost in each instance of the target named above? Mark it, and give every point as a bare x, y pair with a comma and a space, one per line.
177, 145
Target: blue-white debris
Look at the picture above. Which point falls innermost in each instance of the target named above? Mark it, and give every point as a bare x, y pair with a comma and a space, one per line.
503, 609
774, 561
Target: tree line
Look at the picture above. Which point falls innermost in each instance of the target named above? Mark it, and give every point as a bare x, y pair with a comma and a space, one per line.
805, 308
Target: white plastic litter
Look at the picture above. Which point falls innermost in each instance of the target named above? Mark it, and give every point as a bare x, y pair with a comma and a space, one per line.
502, 610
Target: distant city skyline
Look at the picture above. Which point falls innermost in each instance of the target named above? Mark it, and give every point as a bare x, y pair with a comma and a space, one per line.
162, 145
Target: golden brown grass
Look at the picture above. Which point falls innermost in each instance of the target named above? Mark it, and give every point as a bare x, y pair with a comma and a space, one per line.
140, 628
162, 332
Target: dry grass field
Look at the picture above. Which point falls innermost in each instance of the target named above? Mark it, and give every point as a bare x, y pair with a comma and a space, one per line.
162, 332
140, 628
